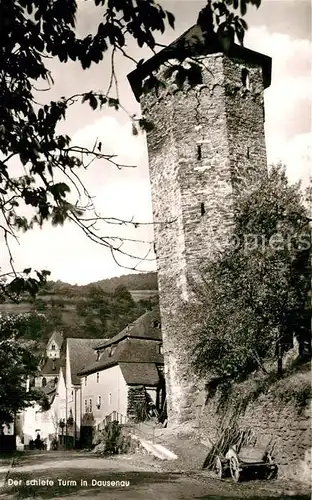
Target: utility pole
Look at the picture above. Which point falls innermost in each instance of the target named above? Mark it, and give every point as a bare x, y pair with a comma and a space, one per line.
75, 417
66, 417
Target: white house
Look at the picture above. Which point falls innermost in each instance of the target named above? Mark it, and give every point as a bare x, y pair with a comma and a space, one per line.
46, 423
79, 353
58, 381
87, 381
128, 365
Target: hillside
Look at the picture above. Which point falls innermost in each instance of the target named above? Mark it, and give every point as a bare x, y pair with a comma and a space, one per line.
95, 310
138, 282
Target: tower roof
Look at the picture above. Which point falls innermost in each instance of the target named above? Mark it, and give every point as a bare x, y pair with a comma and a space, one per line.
195, 42
56, 337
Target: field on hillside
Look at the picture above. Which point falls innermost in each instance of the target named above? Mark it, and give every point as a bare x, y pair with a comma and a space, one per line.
91, 311
67, 306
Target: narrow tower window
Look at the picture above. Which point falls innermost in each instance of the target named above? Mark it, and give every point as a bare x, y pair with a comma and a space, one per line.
199, 152
248, 153
246, 78
202, 208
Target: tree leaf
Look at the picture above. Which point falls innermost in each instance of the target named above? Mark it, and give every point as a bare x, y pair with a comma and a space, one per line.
134, 129
243, 7
93, 101
171, 19
180, 77
146, 124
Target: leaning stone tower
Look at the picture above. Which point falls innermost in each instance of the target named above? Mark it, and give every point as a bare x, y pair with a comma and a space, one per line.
206, 147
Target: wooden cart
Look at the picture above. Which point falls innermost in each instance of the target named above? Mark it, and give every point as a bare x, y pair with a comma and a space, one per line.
249, 463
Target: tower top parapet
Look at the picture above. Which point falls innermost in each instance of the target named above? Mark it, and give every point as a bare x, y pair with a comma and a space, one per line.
195, 42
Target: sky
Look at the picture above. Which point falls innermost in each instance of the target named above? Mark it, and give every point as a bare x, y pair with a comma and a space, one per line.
279, 28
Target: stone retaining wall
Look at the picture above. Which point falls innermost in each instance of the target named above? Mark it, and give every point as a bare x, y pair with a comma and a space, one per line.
270, 419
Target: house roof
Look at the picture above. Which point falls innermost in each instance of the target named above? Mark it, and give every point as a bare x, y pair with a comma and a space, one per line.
52, 366
81, 354
57, 337
128, 350
143, 327
48, 389
140, 373
197, 42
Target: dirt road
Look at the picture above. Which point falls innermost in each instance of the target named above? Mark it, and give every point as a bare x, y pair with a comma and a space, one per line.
66, 475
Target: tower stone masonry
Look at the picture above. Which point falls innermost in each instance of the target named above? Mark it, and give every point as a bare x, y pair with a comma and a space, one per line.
207, 147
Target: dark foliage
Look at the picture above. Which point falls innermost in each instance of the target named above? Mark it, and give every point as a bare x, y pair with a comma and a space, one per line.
112, 440
18, 360
255, 295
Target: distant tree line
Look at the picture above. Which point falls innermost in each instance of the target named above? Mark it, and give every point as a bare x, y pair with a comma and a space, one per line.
138, 281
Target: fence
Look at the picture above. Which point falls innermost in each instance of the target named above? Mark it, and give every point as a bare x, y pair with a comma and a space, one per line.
149, 430
114, 416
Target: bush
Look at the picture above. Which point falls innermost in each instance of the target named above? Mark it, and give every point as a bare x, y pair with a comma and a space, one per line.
111, 440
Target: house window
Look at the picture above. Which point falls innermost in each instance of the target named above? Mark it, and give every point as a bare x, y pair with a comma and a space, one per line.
53, 347
199, 152
202, 209
85, 381
160, 349
99, 401
90, 405
86, 406
245, 78
109, 398
44, 382
97, 377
